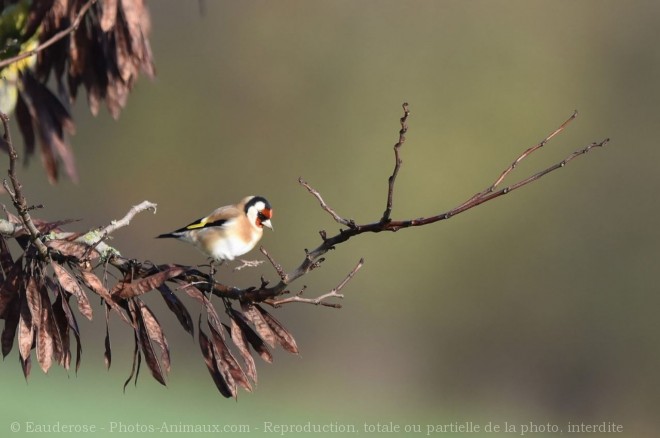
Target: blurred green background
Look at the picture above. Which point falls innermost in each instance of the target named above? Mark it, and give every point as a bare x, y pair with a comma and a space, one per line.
537, 307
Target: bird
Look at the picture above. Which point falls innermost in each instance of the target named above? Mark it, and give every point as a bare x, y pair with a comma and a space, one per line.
229, 231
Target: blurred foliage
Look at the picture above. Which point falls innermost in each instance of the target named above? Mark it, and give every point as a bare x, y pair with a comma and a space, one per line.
104, 47
540, 306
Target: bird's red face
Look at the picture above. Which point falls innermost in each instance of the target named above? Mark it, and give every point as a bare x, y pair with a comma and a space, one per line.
263, 217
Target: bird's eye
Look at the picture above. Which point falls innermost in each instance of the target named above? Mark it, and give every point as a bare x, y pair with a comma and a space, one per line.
262, 217
264, 214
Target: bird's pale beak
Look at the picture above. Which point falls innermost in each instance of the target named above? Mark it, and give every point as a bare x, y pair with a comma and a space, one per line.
267, 223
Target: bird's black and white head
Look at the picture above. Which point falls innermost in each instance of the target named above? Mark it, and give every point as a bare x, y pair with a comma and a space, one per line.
258, 211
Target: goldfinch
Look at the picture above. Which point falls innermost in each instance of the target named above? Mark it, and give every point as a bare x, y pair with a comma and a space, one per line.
229, 231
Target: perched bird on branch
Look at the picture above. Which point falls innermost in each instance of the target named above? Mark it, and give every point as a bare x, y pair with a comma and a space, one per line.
229, 231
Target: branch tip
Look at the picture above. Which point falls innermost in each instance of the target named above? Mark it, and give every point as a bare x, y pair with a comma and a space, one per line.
326, 207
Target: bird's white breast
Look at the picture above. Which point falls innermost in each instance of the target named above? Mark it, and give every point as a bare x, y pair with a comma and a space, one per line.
231, 247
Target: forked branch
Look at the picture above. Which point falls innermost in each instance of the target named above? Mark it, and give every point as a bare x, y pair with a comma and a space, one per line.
16, 194
320, 300
313, 257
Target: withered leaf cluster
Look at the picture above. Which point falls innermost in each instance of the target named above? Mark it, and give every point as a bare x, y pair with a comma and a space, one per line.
39, 301
104, 55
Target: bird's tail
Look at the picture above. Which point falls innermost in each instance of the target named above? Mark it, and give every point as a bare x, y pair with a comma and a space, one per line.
166, 235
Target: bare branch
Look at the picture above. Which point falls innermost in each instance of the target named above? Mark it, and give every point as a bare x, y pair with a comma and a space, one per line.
116, 224
17, 194
55, 38
98, 236
481, 197
386, 224
320, 300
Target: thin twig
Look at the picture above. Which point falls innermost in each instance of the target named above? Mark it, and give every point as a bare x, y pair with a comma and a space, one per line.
17, 194
397, 163
348, 222
487, 196
278, 268
521, 157
123, 222
94, 239
52, 40
531, 150
247, 264
320, 300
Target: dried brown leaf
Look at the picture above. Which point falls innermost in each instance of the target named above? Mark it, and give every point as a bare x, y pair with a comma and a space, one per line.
51, 119
155, 332
26, 365
25, 125
36, 14
48, 320
147, 64
70, 284
137, 22
93, 97
240, 341
197, 295
12, 316
33, 301
176, 306
116, 98
255, 341
72, 249
45, 347
146, 284
208, 352
78, 55
107, 354
96, 286
62, 309
285, 338
46, 227
148, 350
125, 65
78, 350
109, 15
62, 324
25, 337
11, 285
70, 318
260, 324
6, 260
135, 368
227, 364
66, 308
